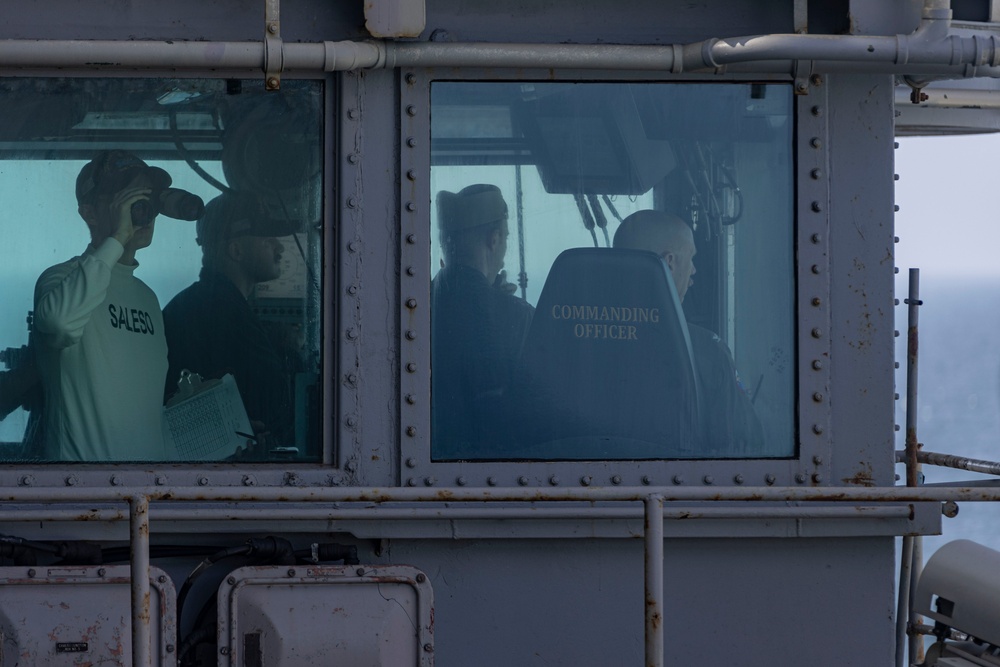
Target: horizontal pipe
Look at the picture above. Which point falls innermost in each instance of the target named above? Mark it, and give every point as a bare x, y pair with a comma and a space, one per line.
455, 513
924, 52
959, 462
493, 494
951, 98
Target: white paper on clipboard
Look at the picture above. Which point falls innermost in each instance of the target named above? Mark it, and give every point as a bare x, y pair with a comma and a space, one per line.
203, 426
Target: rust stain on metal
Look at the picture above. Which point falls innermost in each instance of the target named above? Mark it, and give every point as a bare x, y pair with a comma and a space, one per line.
863, 477
655, 618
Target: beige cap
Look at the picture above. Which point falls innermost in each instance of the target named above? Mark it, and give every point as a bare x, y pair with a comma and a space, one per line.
474, 206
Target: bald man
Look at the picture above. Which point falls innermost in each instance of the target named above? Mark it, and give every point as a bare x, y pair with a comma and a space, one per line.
477, 326
731, 427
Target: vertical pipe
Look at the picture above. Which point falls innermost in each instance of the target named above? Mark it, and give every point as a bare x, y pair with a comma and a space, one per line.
912, 447
139, 561
654, 579
903, 599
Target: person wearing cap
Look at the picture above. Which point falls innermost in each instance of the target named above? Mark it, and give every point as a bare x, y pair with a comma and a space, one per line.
212, 329
101, 348
477, 325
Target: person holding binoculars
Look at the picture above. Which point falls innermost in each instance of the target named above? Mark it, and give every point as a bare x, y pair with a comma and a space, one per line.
101, 349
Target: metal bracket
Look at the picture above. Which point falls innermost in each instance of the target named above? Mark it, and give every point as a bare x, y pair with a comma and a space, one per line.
801, 71
272, 45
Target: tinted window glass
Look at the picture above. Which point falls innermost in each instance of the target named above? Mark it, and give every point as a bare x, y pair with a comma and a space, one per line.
613, 272
162, 246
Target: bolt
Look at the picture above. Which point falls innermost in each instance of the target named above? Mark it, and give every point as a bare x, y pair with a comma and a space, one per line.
411, 239
585, 480
817, 365
646, 480
249, 480
352, 378
352, 290
817, 478
815, 269
678, 480
116, 480
411, 207
351, 422
895, 427
411, 482
272, 28
351, 466
273, 83
554, 480
949, 508
224, 650
816, 80
352, 158
801, 86
411, 462
411, 399
616, 479
461, 481
816, 207
353, 245
816, 111
352, 114
71, 480
411, 431
291, 572
895, 397
27, 480
411, 303
708, 479
411, 110
161, 480
411, 335
871, 48
816, 174
522, 480
411, 174
800, 478
360, 572
421, 577
411, 367
738, 479
816, 301
352, 202
231, 581
100, 573
428, 648
818, 460
410, 271
352, 334
817, 332
411, 79
203, 481
815, 142
818, 429
31, 573
430, 481
895, 207
818, 397
816, 238
491, 481
170, 648
769, 479
411, 142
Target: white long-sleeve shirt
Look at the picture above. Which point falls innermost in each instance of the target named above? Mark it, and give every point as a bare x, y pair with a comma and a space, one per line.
102, 354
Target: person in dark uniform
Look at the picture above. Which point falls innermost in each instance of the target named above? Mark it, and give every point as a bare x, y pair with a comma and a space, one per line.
730, 425
211, 328
477, 325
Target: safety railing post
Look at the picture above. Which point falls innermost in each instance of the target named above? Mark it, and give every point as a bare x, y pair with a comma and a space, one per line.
139, 561
654, 579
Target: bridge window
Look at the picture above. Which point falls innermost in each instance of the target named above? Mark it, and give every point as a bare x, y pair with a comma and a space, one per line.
613, 271
161, 281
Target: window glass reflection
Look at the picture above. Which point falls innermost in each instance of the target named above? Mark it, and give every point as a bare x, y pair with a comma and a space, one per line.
163, 290
613, 271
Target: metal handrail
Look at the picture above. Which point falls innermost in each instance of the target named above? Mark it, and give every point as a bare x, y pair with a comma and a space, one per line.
653, 498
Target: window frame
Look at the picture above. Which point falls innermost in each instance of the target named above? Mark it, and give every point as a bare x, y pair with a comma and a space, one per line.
811, 463
220, 473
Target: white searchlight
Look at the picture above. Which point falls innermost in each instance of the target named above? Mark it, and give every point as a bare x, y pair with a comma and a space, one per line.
960, 588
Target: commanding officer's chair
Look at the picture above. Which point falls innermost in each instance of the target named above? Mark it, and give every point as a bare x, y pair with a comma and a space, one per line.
606, 370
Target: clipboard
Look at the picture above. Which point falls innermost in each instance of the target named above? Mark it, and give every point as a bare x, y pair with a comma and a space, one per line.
200, 422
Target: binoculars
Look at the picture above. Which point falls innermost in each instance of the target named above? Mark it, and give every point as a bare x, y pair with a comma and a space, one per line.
171, 202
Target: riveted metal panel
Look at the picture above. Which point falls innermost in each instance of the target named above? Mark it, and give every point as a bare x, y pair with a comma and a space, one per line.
359, 615
80, 616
